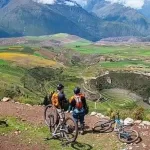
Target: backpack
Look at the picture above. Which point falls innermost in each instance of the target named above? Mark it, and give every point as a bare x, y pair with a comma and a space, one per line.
78, 100
55, 100
47, 99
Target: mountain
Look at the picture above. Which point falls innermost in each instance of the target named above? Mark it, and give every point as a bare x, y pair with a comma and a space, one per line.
27, 17
3, 3
146, 9
116, 12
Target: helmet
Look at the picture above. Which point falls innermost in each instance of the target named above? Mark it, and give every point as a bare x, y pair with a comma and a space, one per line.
77, 90
60, 87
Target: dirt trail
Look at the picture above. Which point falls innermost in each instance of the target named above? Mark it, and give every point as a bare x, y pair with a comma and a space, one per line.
34, 115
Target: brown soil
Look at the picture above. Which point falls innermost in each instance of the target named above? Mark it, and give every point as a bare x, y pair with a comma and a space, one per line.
34, 115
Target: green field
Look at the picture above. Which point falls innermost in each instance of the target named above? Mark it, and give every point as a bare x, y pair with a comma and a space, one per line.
124, 51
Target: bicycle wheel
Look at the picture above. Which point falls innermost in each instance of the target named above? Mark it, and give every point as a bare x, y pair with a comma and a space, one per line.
102, 126
128, 136
70, 130
50, 115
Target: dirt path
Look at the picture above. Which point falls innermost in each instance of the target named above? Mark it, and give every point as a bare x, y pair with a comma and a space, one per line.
34, 115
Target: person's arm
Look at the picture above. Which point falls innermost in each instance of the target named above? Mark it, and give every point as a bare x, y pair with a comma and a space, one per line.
70, 104
84, 102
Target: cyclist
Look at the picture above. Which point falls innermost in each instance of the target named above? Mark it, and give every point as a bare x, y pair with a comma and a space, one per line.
78, 106
58, 99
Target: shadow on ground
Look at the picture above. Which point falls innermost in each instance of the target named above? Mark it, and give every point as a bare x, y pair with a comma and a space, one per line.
79, 146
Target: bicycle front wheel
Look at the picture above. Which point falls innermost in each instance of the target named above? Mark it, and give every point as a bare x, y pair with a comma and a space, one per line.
70, 130
50, 115
128, 136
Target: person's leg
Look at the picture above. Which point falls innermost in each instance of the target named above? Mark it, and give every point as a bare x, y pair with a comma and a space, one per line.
60, 114
81, 118
75, 117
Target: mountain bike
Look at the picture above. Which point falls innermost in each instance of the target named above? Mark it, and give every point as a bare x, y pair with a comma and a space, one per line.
60, 127
124, 134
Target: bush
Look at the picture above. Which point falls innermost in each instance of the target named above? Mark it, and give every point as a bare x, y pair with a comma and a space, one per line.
138, 113
147, 117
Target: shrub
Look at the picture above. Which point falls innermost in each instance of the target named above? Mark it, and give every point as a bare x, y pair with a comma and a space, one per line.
138, 113
147, 117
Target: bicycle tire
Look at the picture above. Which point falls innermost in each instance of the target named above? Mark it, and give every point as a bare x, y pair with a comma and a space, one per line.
70, 130
102, 126
47, 115
132, 140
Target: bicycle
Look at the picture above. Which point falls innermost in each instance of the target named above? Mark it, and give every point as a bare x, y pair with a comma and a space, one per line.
124, 135
59, 125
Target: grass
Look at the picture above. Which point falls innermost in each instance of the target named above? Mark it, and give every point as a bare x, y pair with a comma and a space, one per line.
116, 51
26, 59
125, 63
36, 134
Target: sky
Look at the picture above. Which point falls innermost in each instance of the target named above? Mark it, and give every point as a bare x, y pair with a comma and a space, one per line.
136, 4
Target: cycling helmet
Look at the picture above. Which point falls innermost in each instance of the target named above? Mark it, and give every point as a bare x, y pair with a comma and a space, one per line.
60, 87
77, 90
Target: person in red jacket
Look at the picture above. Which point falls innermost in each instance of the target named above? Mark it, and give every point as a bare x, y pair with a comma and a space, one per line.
78, 106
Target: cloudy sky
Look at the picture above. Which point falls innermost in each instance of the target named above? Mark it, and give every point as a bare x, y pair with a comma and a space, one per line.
137, 4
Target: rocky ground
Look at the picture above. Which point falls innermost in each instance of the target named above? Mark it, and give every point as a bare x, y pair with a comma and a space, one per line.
34, 115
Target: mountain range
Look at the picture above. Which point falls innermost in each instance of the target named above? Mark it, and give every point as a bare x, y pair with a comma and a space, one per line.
98, 19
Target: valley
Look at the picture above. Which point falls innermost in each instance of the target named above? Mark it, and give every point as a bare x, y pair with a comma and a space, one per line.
31, 67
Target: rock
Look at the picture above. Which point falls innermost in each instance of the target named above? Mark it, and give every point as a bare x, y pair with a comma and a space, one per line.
102, 116
130, 148
29, 105
146, 123
144, 146
93, 113
5, 99
128, 121
141, 124
16, 132
98, 114
106, 117
137, 121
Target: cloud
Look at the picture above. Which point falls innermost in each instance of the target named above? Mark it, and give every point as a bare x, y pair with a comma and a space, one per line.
81, 2
136, 4
45, 1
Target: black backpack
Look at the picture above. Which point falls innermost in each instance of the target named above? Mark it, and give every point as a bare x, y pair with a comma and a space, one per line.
47, 99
